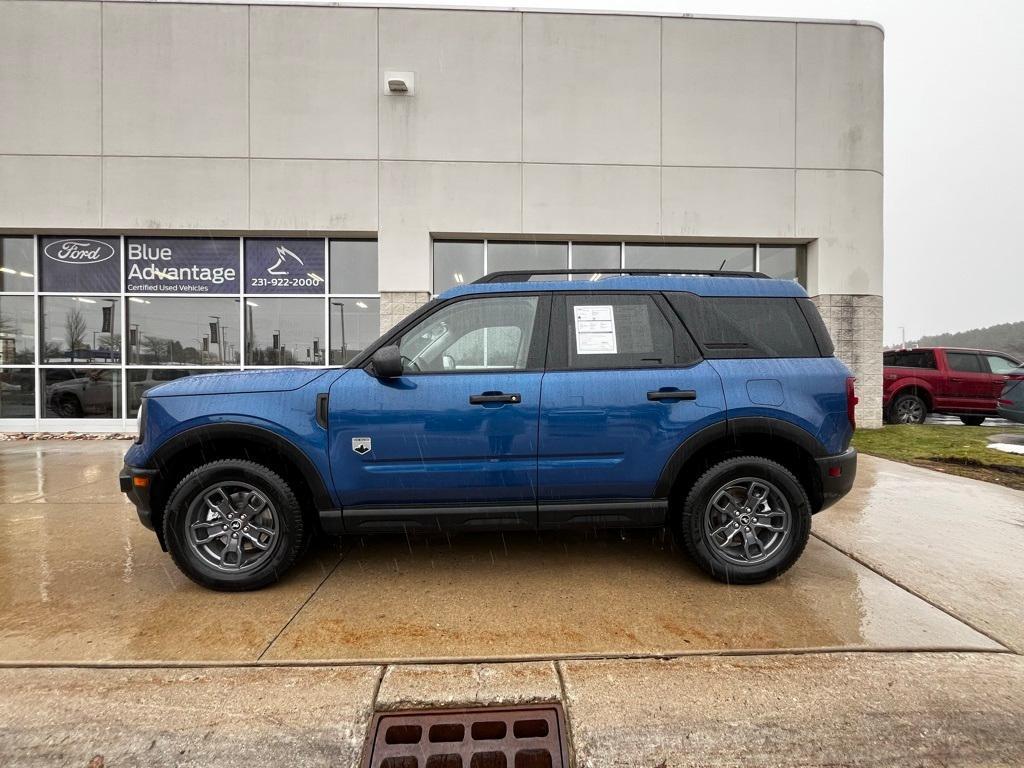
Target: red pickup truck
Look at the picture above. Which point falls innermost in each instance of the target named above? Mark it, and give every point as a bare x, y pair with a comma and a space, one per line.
959, 382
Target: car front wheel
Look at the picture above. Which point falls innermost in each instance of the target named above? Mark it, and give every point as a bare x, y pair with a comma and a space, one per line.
746, 520
233, 525
973, 421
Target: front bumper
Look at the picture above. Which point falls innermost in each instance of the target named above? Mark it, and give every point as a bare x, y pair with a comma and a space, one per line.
136, 484
837, 474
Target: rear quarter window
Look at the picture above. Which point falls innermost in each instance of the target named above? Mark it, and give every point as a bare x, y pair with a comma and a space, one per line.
751, 327
910, 358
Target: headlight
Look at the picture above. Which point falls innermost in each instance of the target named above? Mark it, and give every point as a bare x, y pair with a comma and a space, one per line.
140, 425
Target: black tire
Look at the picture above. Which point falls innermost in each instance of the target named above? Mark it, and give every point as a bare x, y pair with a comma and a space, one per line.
908, 408
68, 407
290, 535
693, 521
973, 421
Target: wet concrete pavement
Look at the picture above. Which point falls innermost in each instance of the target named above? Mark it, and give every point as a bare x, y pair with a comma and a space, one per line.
931, 597
85, 582
955, 541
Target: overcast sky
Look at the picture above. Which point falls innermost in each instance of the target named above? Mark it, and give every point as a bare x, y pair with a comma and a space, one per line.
954, 110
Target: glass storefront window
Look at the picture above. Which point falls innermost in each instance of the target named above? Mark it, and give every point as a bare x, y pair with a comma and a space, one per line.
284, 331
80, 264
596, 256
183, 330
17, 393
353, 266
17, 340
355, 324
786, 261
457, 262
505, 256
17, 272
142, 379
274, 265
695, 257
79, 393
80, 329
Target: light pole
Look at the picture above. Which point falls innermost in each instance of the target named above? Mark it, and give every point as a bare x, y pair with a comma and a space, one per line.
341, 314
215, 336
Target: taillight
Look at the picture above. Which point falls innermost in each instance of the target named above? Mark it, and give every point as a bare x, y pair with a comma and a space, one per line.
851, 402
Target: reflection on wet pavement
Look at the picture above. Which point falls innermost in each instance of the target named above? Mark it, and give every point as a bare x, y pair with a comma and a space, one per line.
953, 540
82, 580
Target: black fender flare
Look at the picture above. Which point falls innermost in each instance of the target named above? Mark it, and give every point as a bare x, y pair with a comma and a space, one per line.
734, 429
247, 433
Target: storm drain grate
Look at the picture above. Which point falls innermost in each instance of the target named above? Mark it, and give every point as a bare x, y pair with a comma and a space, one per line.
486, 737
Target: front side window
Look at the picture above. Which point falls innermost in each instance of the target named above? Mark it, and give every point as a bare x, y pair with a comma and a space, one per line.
485, 334
965, 362
1000, 365
617, 331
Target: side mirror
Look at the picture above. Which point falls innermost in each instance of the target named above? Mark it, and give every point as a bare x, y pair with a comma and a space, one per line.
387, 362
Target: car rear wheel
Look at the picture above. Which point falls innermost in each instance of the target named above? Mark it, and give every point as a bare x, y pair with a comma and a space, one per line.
746, 520
973, 421
233, 525
908, 409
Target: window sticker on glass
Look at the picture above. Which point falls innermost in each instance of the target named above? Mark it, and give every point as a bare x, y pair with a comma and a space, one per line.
595, 330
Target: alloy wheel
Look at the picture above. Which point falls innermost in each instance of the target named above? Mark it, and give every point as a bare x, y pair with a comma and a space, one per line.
747, 521
233, 527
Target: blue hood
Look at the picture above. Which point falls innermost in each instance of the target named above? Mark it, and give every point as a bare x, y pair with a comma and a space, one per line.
242, 382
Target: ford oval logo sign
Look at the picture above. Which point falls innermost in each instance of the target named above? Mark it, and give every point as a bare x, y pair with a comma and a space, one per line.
79, 250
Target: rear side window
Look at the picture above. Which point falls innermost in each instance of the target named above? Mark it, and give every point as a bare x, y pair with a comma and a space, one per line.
730, 326
910, 358
966, 362
616, 331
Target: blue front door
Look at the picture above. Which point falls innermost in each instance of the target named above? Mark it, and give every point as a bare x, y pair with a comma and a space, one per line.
459, 427
417, 440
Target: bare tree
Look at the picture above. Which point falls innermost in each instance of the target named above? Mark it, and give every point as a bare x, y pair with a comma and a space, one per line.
74, 330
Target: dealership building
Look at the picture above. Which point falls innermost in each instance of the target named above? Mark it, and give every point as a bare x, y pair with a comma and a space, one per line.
194, 187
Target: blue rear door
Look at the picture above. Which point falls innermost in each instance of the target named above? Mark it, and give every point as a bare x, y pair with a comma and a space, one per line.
625, 387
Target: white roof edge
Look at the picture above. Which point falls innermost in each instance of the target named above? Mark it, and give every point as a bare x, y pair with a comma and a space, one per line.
513, 9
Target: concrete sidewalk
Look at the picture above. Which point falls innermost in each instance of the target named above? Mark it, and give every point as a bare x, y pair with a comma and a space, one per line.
894, 640
907, 709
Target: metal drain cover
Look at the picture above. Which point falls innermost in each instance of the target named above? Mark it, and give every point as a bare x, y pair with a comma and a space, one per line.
486, 737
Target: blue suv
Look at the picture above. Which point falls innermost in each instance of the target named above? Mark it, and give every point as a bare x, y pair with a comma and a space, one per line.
710, 403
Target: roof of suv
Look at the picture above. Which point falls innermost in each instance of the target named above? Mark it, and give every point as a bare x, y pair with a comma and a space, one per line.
702, 285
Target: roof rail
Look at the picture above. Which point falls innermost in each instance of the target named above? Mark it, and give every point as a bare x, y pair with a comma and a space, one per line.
524, 275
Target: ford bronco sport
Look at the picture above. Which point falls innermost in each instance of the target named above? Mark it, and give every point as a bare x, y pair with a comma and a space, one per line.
711, 403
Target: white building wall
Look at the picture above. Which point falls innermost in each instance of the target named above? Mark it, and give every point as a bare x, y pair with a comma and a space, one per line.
229, 118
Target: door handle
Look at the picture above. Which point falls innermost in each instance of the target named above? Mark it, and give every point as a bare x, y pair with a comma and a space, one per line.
495, 397
958, 381
672, 394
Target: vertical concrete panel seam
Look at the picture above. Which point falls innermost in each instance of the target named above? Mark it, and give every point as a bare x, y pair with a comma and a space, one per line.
522, 128
103, 165
248, 115
796, 110
661, 125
